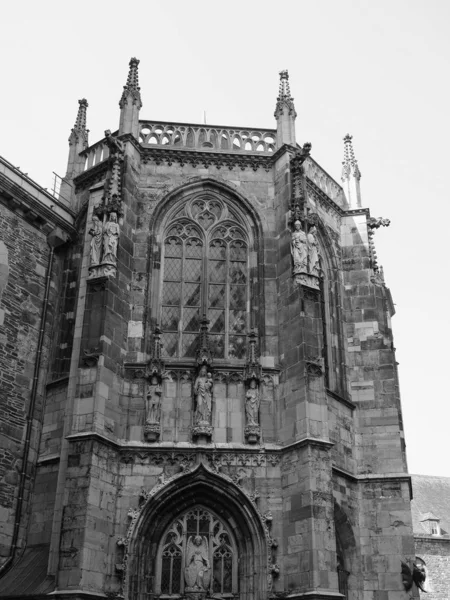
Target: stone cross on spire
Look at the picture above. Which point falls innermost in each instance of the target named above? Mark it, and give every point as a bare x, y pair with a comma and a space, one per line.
79, 131
351, 174
130, 102
285, 113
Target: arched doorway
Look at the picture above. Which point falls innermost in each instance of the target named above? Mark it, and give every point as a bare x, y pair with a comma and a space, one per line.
198, 537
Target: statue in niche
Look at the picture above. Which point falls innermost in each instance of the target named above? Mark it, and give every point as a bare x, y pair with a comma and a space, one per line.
96, 232
111, 234
197, 571
299, 248
313, 252
153, 401
203, 389
252, 404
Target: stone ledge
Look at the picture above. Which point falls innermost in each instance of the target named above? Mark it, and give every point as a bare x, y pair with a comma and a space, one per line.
375, 477
423, 537
50, 458
341, 399
316, 595
76, 594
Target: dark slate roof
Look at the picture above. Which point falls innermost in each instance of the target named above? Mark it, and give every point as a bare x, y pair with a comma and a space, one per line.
431, 499
28, 577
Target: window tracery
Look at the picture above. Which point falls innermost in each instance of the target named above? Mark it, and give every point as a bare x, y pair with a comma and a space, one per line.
205, 271
197, 554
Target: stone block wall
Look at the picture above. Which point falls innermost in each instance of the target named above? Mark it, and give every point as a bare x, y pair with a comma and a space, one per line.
24, 256
436, 555
371, 371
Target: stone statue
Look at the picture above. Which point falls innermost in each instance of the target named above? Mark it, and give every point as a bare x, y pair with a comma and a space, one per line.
114, 144
299, 249
203, 389
313, 252
153, 401
197, 571
96, 243
252, 404
111, 234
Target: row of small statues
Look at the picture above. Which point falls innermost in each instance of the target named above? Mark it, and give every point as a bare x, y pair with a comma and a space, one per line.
203, 396
305, 250
105, 240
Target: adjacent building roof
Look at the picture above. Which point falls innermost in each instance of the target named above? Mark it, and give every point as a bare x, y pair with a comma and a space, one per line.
431, 501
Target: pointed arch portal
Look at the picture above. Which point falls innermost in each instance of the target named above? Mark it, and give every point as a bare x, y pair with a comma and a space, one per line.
198, 532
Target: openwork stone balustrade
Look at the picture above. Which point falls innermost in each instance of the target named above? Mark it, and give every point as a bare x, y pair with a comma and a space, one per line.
204, 137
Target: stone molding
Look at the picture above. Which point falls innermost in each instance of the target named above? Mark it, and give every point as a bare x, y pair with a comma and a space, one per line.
34, 204
206, 159
341, 399
187, 470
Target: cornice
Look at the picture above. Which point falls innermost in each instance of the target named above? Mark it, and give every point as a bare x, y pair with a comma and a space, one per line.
92, 175
375, 477
218, 159
42, 211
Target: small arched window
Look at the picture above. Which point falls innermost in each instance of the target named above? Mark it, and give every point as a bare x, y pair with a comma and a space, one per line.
197, 554
205, 271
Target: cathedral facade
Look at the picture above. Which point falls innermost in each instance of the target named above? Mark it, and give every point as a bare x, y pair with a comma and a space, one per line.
200, 394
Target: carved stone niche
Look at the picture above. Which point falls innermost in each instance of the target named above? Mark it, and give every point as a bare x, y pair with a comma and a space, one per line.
252, 376
153, 397
202, 428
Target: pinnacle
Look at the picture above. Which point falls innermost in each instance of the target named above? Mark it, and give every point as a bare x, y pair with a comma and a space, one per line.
349, 164
133, 75
284, 96
132, 89
80, 123
284, 90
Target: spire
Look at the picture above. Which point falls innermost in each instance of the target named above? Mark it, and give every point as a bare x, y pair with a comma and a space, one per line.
78, 141
130, 102
79, 131
285, 113
351, 174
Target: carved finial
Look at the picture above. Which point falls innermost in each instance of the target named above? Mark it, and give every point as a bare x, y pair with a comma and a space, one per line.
79, 131
156, 364
204, 354
298, 183
132, 89
157, 343
350, 164
284, 99
351, 174
252, 369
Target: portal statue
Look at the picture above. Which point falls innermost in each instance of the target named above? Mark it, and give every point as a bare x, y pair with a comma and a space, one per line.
252, 404
96, 242
111, 233
299, 249
153, 401
313, 252
197, 571
203, 390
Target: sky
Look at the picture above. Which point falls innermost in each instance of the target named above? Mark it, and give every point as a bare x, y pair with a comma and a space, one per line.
375, 69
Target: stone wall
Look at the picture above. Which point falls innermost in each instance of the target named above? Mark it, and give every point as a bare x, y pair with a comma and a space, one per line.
24, 256
436, 555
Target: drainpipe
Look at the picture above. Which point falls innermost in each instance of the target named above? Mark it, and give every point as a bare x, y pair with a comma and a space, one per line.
55, 238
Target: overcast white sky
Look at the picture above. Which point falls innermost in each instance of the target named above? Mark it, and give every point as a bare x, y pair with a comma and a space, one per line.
378, 70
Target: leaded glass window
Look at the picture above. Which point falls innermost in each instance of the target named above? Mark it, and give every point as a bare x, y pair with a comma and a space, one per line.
205, 271
197, 554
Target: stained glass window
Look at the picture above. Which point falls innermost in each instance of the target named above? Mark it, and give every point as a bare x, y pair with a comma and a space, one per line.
205, 271
197, 554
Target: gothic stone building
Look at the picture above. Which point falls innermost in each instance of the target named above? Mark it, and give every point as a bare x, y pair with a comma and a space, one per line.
199, 395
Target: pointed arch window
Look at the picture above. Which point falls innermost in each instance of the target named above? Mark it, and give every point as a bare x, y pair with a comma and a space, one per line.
197, 554
205, 271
